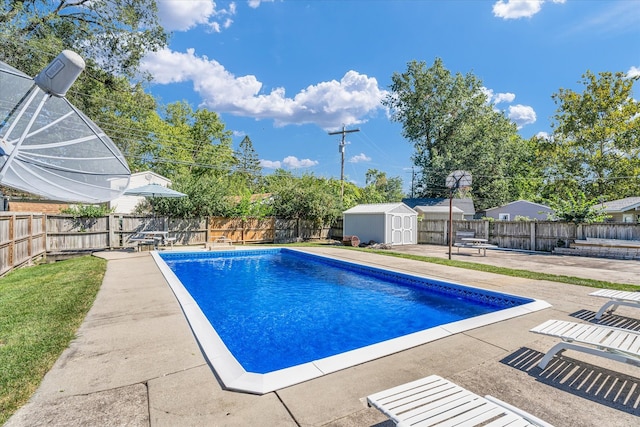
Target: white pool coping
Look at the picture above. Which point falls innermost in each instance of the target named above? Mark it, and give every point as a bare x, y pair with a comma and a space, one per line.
234, 377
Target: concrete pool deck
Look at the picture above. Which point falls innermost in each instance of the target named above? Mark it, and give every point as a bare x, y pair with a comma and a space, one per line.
135, 361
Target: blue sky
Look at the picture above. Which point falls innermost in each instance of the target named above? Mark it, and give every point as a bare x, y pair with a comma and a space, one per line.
287, 72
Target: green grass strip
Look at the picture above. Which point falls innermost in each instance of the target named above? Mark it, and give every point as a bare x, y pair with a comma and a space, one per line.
41, 308
505, 271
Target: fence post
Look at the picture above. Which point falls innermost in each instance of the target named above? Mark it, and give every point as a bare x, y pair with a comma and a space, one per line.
110, 231
533, 235
12, 245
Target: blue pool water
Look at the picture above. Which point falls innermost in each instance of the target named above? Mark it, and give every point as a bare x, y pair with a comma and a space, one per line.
280, 308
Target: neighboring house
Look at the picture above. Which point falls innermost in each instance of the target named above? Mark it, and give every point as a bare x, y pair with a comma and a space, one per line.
439, 212
465, 205
392, 223
522, 208
127, 204
622, 210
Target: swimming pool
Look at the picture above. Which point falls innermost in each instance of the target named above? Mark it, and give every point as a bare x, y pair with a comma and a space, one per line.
344, 313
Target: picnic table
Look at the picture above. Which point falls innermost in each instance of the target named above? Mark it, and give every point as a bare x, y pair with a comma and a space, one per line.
153, 238
475, 243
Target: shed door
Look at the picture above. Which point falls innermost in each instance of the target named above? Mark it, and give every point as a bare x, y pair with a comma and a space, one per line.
407, 230
401, 233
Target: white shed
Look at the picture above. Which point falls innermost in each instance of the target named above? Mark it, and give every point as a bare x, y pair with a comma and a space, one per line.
392, 223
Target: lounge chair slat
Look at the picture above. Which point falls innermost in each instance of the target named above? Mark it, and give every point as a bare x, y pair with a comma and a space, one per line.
402, 398
616, 299
441, 413
425, 382
434, 401
477, 416
509, 420
613, 343
427, 403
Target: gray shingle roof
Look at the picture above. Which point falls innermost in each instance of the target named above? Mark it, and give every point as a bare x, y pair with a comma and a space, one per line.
466, 205
620, 205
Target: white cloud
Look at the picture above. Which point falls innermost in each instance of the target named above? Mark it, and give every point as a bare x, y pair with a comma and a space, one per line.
179, 15
326, 104
290, 162
516, 9
497, 98
360, 158
254, 4
522, 115
268, 164
543, 135
504, 97
293, 162
633, 72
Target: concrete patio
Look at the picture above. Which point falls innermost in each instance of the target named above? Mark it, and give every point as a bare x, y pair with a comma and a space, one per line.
135, 361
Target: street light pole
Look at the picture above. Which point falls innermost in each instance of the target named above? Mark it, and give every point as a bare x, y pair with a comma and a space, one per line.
341, 148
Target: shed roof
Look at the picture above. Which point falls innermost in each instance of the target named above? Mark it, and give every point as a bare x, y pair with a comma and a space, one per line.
377, 208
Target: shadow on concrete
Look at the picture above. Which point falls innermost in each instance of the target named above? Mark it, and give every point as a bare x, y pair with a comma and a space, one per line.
613, 389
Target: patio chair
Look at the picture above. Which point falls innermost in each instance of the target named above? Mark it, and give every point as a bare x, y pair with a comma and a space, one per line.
618, 298
622, 345
434, 401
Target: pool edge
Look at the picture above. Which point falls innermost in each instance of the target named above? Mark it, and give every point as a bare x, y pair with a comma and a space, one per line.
234, 377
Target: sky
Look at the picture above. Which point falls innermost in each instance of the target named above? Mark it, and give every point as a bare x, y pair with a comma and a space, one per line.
286, 73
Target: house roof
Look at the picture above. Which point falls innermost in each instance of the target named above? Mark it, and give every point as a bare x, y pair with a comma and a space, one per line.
620, 205
376, 208
517, 202
466, 204
437, 209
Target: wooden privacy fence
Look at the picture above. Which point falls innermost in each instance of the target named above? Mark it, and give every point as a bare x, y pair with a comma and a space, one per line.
22, 239
66, 233
266, 230
524, 235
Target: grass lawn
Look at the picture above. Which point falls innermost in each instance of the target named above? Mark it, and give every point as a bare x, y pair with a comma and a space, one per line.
41, 308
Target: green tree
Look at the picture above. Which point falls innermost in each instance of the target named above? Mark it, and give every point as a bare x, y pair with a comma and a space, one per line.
305, 197
112, 35
207, 195
453, 126
380, 189
187, 143
248, 167
595, 147
576, 208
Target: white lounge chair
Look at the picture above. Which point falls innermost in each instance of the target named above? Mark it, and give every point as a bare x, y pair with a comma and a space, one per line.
618, 298
434, 401
618, 344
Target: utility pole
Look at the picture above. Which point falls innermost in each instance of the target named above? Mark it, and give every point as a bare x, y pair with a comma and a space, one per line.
341, 149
